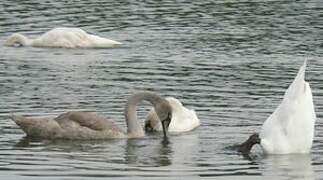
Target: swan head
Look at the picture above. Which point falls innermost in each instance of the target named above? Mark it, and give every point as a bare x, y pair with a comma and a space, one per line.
255, 139
17, 40
245, 147
164, 113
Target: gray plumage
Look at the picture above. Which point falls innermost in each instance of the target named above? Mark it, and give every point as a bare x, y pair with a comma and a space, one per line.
90, 125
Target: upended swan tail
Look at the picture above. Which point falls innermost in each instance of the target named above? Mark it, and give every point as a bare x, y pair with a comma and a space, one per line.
299, 85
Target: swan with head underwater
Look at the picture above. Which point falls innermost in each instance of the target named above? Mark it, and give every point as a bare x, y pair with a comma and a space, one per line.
290, 128
90, 125
62, 38
183, 119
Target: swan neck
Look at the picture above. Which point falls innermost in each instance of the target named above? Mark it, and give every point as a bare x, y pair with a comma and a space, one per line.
18, 39
246, 146
135, 128
25, 41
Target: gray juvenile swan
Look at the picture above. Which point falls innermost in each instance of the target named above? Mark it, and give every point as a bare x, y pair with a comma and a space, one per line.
90, 125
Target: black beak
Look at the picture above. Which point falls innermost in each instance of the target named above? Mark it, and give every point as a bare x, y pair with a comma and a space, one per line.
165, 125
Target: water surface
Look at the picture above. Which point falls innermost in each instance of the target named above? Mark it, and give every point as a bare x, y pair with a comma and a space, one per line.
231, 61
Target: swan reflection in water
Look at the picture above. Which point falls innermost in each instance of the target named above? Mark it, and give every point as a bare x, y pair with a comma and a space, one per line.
295, 166
151, 151
148, 153
154, 153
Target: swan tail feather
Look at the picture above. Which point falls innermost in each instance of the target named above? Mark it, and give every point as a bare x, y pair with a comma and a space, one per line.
36, 127
19, 120
298, 86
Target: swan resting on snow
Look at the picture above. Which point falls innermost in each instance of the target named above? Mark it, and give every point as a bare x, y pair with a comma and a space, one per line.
62, 38
183, 119
290, 128
90, 125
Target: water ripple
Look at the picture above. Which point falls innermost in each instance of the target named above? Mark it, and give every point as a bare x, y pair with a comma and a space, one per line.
231, 61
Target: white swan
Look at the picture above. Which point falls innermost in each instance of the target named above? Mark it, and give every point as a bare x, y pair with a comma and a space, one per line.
290, 128
89, 125
182, 120
62, 38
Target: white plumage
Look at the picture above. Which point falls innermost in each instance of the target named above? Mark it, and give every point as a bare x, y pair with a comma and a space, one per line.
62, 38
290, 128
182, 120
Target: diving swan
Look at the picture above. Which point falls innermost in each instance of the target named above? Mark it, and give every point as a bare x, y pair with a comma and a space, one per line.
62, 38
183, 119
290, 128
90, 125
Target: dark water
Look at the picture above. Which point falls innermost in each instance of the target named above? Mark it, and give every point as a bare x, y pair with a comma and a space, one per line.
231, 61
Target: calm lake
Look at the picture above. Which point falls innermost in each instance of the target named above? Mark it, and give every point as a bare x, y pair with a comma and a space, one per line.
231, 61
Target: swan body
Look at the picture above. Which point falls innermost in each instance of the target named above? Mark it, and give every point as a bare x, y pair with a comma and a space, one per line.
182, 120
62, 38
90, 125
290, 128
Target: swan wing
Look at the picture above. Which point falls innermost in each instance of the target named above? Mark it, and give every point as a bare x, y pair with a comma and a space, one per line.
70, 125
72, 38
63, 37
90, 120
